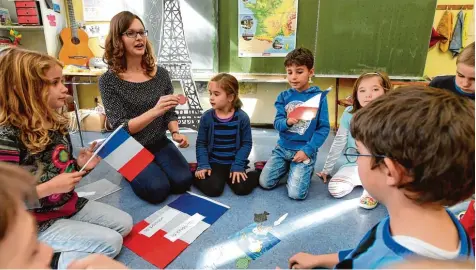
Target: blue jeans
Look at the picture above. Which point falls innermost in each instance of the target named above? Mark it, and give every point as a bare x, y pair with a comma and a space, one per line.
168, 172
280, 163
97, 228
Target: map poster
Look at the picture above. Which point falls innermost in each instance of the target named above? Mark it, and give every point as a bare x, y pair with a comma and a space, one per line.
266, 28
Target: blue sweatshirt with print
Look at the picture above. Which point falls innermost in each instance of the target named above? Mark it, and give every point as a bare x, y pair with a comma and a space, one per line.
308, 135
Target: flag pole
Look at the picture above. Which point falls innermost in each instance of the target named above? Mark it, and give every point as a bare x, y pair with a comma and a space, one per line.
100, 147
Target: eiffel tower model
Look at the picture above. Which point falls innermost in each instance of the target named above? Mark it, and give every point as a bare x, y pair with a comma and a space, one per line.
174, 56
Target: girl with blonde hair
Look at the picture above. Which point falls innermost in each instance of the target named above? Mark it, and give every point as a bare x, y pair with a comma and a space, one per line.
34, 135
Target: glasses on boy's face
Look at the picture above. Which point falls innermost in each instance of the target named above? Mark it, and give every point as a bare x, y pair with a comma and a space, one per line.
352, 154
133, 34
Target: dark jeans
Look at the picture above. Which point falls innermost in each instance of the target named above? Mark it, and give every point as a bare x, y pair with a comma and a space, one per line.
213, 185
167, 173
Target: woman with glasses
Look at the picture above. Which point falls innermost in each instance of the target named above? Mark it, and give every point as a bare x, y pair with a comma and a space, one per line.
139, 94
368, 87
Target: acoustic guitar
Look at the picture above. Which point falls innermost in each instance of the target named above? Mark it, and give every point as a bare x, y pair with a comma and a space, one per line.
75, 49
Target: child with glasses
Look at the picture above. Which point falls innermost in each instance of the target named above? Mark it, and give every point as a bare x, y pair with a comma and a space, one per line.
368, 87
416, 156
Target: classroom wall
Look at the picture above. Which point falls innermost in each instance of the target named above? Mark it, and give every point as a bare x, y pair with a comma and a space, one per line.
437, 62
259, 103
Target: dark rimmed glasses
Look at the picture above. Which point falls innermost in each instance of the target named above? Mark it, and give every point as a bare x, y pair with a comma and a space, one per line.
352, 154
133, 34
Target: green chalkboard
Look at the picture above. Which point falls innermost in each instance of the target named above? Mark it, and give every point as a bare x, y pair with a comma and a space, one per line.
228, 60
348, 37
356, 36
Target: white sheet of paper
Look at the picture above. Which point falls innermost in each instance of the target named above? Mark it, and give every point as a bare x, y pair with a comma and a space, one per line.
184, 227
159, 223
86, 194
101, 188
101, 10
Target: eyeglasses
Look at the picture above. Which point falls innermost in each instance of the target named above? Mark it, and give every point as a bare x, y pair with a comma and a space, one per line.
352, 154
133, 34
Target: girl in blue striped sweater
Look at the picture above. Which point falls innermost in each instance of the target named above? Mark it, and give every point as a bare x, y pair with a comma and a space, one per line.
224, 141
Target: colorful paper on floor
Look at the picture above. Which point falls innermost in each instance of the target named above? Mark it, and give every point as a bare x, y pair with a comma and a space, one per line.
98, 189
308, 110
124, 153
161, 237
255, 240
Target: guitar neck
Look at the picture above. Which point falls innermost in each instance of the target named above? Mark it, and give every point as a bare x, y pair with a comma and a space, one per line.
72, 19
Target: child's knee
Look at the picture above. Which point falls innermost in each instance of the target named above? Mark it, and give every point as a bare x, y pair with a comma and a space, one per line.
126, 224
339, 188
212, 191
112, 243
297, 194
242, 189
265, 180
298, 186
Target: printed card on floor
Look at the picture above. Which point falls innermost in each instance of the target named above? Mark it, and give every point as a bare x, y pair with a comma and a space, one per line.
98, 189
308, 110
162, 236
255, 240
124, 153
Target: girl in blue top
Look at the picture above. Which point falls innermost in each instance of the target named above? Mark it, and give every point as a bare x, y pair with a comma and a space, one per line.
368, 87
224, 141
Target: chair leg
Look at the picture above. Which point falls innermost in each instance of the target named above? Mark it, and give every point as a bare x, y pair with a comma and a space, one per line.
78, 121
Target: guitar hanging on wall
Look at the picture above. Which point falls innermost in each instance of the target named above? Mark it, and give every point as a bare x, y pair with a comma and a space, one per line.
75, 49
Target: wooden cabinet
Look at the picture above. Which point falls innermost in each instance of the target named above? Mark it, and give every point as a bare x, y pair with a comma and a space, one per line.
28, 12
38, 33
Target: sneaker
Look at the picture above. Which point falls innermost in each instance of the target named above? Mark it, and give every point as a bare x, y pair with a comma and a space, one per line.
367, 202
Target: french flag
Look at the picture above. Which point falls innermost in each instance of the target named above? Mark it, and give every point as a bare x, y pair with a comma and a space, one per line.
124, 153
308, 110
162, 236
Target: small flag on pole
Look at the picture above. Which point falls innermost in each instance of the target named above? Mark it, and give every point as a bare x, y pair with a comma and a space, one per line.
124, 153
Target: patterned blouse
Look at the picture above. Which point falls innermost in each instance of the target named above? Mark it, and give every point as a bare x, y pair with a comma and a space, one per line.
57, 158
124, 100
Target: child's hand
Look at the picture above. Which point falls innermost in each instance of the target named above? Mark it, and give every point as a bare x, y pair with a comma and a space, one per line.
300, 156
201, 174
302, 261
322, 175
64, 182
85, 154
292, 121
181, 139
236, 176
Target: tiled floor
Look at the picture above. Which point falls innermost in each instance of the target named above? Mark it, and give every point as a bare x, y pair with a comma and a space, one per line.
319, 224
